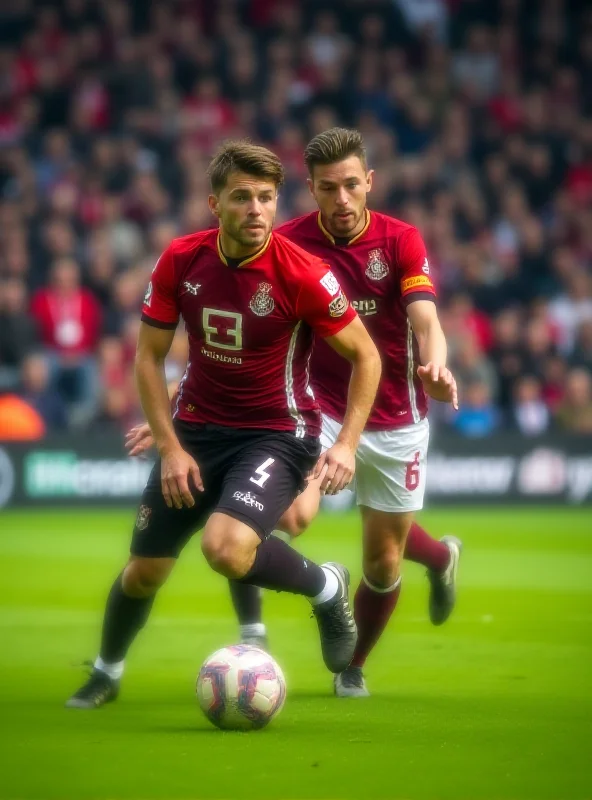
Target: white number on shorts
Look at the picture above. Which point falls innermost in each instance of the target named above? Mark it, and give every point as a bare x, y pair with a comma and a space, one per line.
234, 331
263, 475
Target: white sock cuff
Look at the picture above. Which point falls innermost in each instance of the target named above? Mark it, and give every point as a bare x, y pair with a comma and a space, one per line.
113, 670
330, 589
379, 589
253, 629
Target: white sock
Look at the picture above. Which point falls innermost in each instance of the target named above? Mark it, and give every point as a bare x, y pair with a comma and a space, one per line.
378, 589
330, 589
253, 629
113, 670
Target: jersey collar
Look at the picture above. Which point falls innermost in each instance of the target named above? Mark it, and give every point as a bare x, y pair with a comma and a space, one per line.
347, 242
233, 262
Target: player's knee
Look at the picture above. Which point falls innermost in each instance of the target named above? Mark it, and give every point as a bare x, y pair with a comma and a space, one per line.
294, 522
382, 568
224, 554
144, 577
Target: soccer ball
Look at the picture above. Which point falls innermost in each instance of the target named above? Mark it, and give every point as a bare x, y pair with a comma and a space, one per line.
240, 688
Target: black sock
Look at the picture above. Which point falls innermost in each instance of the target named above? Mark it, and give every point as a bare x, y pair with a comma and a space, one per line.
278, 566
246, 600
124, 618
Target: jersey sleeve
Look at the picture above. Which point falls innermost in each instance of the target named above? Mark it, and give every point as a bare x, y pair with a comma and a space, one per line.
416, 280
160, 307
321, 302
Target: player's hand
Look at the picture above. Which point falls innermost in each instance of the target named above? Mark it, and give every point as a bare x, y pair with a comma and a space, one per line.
439, 384
139, 439
339, 464
177, 467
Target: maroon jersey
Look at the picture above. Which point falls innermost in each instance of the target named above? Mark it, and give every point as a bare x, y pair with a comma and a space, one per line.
250, 325
381, 270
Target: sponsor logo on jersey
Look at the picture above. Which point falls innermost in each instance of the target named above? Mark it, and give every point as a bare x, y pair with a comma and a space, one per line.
148, 295
365, 308
221, 357
339, 306
331, 284
261, 303
192, 288
413, 283
377, 268
426, 267
143, 518
249, 500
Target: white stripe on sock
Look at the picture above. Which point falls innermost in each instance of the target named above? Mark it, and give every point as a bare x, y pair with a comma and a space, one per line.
380, 590
114, 670
330, 589
253, 629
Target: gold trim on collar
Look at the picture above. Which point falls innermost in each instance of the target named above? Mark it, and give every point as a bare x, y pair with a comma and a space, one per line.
355, 238
245, 261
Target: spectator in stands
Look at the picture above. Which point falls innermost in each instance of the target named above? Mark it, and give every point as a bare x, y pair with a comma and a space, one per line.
530, 414
478, 416
69, 320
37, 391
18, 332
575, 412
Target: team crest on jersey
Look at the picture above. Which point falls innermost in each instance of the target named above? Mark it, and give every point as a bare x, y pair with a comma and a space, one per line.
261, 303
377, 268
143, 518
339, 306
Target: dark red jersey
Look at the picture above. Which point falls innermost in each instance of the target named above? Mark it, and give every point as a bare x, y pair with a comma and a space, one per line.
250, 326
381, 270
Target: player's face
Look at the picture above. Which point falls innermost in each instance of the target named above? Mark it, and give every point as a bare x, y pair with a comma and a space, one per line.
246, 208
340, 191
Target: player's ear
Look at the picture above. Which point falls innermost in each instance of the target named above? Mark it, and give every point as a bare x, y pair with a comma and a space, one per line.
214, 204
369, 177
310, 185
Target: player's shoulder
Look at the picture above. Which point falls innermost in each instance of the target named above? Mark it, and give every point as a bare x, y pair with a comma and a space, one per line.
303, 226
187, 245
296, 261
392, 227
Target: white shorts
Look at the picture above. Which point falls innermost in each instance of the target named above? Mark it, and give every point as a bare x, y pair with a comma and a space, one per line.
390, 465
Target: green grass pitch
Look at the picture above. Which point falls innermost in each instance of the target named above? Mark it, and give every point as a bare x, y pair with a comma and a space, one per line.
496, 704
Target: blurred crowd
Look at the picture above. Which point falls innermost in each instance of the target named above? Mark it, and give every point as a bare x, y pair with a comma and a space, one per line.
477, 118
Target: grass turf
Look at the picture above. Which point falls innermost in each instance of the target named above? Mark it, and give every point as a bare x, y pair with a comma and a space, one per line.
496, 704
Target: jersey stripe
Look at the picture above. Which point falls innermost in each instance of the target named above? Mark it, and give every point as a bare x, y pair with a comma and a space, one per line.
289, 378
411, 373
180, 388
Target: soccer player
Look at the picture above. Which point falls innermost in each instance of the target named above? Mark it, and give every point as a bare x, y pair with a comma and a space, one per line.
383, 266
245, 432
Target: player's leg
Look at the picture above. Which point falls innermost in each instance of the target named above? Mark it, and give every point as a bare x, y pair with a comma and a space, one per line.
384, 535
246, 598
258, 488
159, 535
390, 485
441, 558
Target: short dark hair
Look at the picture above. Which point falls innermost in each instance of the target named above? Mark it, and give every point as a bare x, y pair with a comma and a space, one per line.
334, 145
243, 156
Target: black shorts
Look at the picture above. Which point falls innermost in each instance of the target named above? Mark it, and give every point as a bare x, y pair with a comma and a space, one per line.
251, 475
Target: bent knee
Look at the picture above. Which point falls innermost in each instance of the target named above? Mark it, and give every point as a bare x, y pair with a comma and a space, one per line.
294, 522
223, 552
143, 577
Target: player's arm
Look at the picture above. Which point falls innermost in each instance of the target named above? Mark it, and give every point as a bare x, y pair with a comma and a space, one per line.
160, 315
139, 439
438, 381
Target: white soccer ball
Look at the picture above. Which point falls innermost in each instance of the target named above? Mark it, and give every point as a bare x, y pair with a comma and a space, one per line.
240, 688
